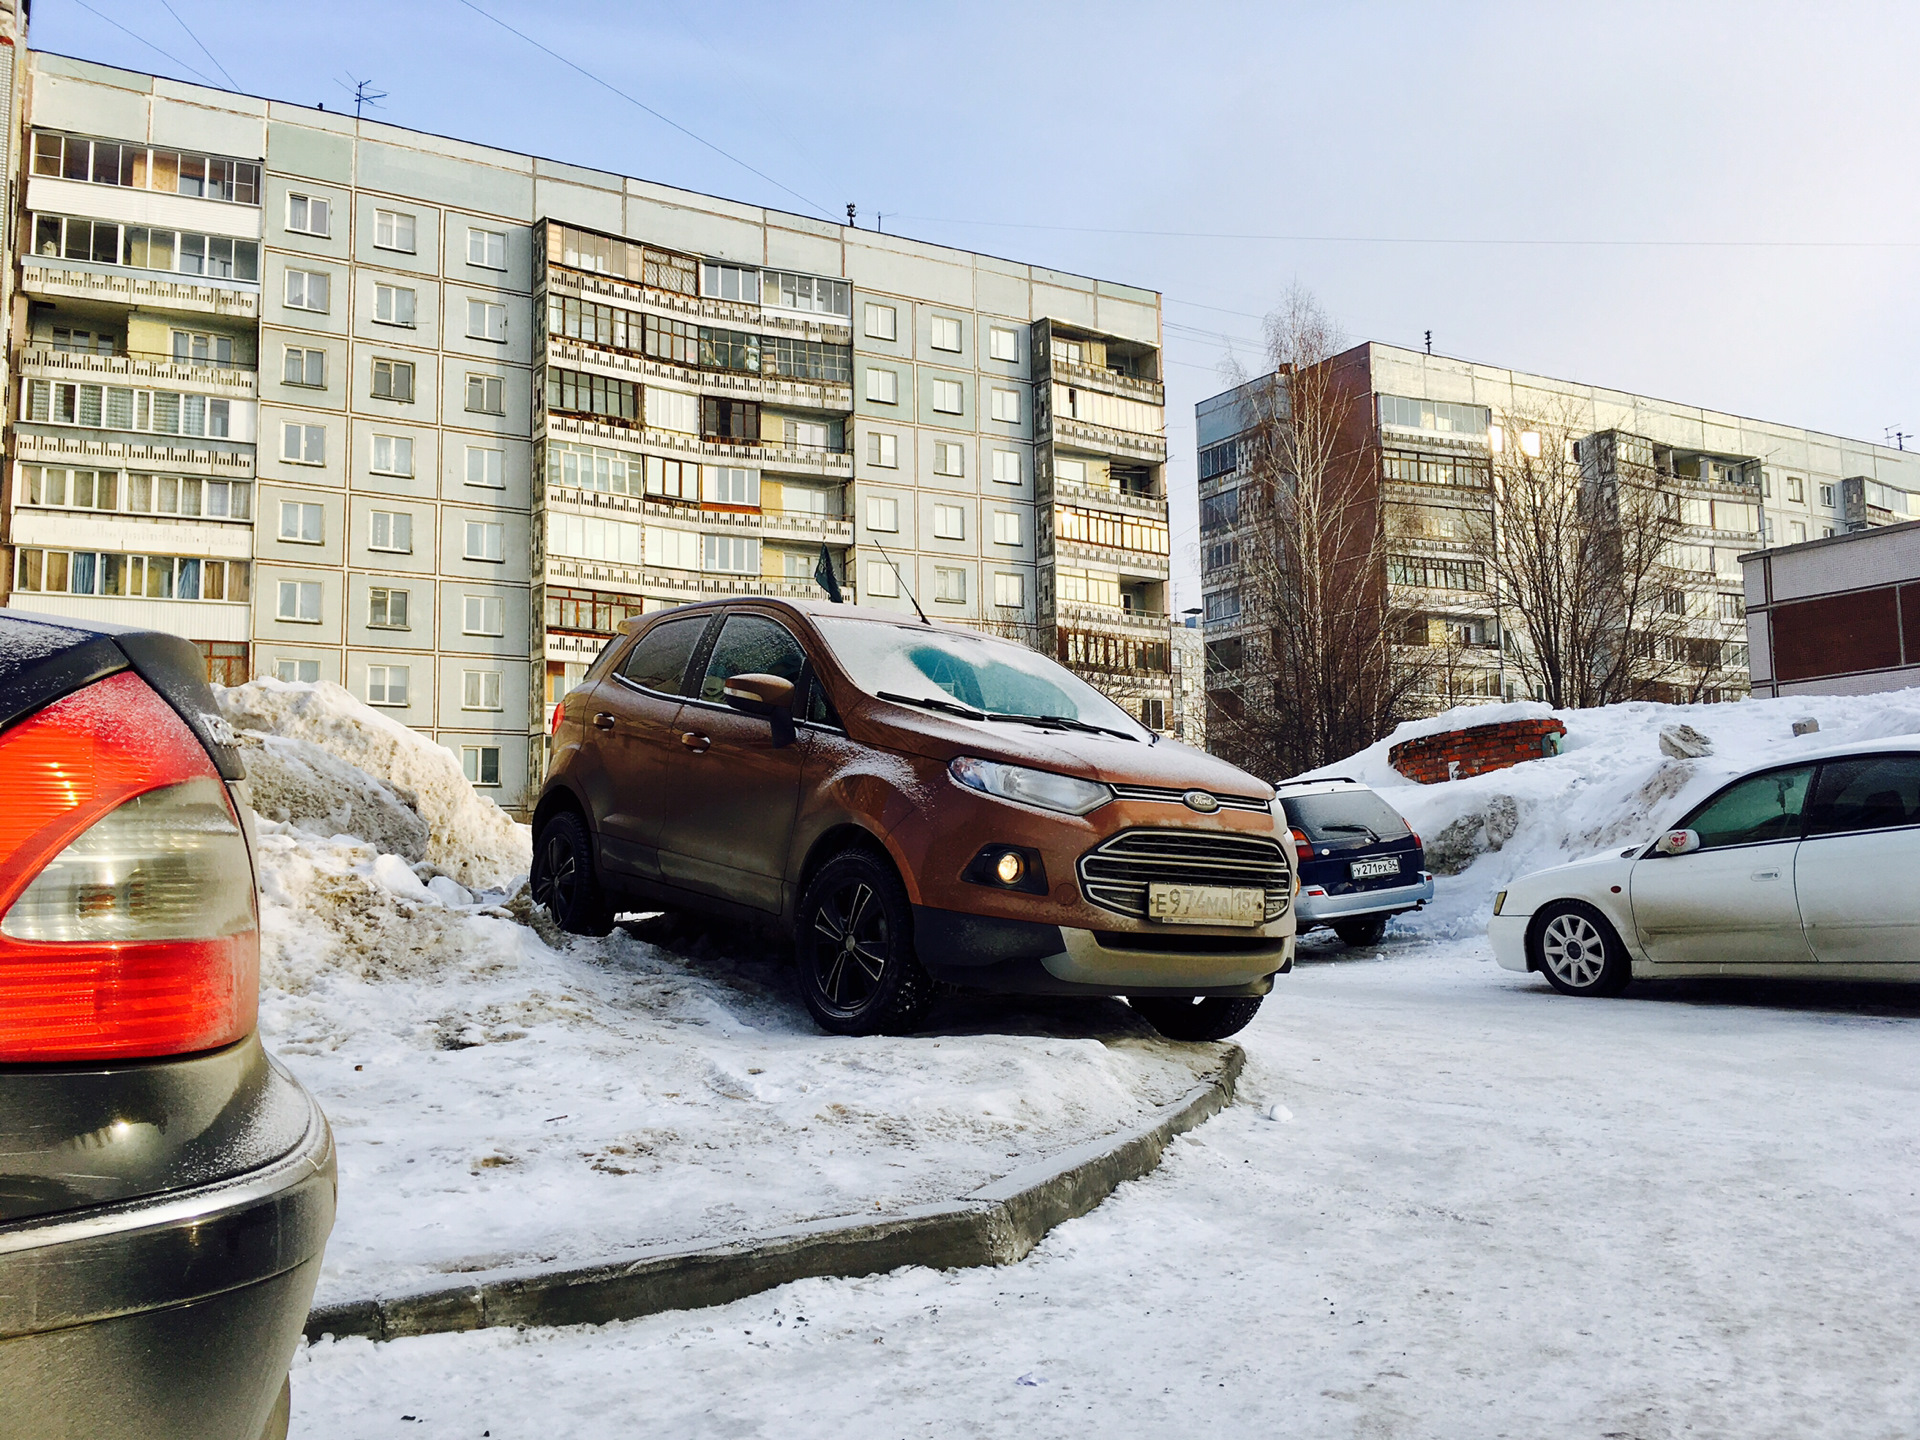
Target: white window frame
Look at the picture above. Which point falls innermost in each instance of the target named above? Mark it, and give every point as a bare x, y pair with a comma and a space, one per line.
395, 305
474, 690
1009, 580
306, 354
1006, 405
498, 386
301, 290
473, 765
1003, 344
491, 465
492, 534
949, 522
381, 692
292, 610
307, 207
298, 443
882, 579
486, 311
1004, 460
474, 614
883, 386
950, 584
389, 623
398, 525
954, 390
288, 671
388, 222
485, 243
294, 515
883, 450
883, 514
949, 458
881, 322
1006, 527
390, 455
941, 329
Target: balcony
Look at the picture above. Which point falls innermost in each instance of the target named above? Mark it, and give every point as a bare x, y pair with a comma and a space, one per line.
798, 460
1137, 564
1092, 377
564, 646
1111, 498
1141, 624
146, 370
132, 454
731, 313
142, 289
777, 390
1104, 440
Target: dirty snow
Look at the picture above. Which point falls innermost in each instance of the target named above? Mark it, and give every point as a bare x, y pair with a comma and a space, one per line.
1451, 1203
502, 1099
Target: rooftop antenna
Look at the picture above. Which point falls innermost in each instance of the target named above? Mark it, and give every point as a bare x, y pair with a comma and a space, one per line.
363, 94
1899, 438
1429, 342
879, 219
903, 581
851, 212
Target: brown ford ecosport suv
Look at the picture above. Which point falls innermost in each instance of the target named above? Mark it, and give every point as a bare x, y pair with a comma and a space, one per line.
914, 804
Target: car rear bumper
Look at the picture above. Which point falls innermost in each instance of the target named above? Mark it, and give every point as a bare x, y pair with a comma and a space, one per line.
1027, 958
1508, 934
174, 1315
1325, 909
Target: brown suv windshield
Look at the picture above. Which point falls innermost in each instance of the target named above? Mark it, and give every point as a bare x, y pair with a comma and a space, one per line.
987, 676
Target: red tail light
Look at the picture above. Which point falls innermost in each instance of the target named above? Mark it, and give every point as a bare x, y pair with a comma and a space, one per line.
1302, 847
128, 925
553, 724
1416, 837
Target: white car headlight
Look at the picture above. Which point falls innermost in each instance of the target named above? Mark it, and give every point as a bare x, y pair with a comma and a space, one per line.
1030, 787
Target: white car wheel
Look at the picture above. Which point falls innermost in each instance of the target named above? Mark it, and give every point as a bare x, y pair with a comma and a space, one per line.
1578, 952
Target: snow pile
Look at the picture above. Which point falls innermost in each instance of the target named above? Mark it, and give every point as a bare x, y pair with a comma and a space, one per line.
1625, 772
468, 836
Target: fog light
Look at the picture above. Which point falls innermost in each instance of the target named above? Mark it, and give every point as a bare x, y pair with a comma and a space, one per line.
1010, 867
1499, 900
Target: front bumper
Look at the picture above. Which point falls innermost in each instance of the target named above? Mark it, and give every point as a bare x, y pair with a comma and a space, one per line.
169, 1317
1508, 934
1324, 909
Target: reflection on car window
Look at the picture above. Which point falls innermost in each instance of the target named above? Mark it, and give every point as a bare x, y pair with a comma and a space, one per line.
751, 645
987, 674
1344, 815
1875, 792
1754, 810
659, 661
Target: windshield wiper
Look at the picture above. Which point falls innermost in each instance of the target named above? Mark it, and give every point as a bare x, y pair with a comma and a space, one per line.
1352, 829
1064, 722
927, 702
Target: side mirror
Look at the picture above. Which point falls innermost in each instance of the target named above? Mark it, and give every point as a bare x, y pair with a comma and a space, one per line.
767, 696
1677, 842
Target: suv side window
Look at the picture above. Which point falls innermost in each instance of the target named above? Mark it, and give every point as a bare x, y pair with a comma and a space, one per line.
1875, 792
751, 645
1754, 810
659, 661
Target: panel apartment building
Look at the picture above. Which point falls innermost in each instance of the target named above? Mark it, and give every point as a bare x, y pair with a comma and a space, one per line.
1431, 431
341, 401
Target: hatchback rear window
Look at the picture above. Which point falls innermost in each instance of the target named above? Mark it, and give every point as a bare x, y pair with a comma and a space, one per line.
1344, 815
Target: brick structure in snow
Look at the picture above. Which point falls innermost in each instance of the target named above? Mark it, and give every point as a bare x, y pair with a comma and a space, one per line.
1456, 754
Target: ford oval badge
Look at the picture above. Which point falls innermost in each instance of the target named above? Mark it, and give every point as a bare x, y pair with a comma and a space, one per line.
1200, 800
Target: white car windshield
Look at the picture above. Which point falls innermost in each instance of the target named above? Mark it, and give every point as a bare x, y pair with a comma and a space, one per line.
954, 669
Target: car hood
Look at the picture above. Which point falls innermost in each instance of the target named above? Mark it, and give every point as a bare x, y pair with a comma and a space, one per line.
1166, 764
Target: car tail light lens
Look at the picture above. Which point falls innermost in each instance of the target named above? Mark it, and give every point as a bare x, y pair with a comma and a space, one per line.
1302, 847
559, 710
1418, 843
128, 925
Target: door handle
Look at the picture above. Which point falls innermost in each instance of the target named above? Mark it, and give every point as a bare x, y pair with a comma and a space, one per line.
696, 743
1766, 875
603, 721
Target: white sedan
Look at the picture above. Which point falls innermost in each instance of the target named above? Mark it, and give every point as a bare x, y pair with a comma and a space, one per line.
1809, 868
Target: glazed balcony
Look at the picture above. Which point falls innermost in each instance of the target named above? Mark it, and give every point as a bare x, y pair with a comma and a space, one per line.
795, 460
734, 314
779, 391
71, 449
160, 372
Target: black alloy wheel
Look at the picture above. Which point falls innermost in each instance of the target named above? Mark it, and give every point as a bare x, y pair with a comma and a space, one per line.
1196, 1017
858, 972
563, 878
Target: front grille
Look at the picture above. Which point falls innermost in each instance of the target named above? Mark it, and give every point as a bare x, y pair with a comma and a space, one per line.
1115, 875
1176, 797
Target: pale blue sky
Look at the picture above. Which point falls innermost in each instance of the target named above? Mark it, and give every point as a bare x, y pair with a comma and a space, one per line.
1069, 135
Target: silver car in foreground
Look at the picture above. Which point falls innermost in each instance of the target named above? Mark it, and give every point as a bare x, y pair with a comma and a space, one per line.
1804, 868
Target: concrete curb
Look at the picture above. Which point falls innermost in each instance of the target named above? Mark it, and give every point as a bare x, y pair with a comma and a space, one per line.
995, 1225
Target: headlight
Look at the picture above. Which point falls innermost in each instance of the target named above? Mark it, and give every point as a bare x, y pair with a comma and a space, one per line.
1498, 900
1029, 787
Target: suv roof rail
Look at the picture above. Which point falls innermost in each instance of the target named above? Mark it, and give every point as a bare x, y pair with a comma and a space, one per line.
1317, 780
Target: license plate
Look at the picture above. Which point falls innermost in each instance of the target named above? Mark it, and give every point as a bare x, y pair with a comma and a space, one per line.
1206, 905
1366, 869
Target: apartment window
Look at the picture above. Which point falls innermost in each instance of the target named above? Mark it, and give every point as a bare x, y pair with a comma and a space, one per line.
948, 397
387, 609
809, 359
949, 458
108, 162
480, 690
299, 601
671, 479
1006, 406
176, 495
672, 410
486, 248
309, 215
485, 541
1733, 607
302, 524
486, 321
393, 380
104, 242
882, 322
949, 522
1006, 467
730, 282
1153, 713
392, 455
485, 395
883, 387
307, 290
297, 672
1009, 590
393, 305
1826, 532
790, 291
81, 489
950, 584
732, 554
882, 579
730, 420
1006, 527
1003, 344
674, 341
480, 764
1826, 496
1796, 532
595, 395
946, 334
391, 530
1222, 605
387, 685
393, 230
190, 347
672, 549
486, 467
808, 434
304, 367
87, 342
883, 514
730, 485
883, 450
1796, 489
483, 615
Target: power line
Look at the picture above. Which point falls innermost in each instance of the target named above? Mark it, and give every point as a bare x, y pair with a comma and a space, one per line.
641, 105
191, 70
235, 84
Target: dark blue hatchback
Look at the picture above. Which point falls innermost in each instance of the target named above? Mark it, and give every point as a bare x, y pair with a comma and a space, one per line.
1359, 861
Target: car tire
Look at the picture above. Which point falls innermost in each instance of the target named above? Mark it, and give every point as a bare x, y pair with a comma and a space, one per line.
1364, 931
1578, 950
1197, 1017
854, 947
563, 878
